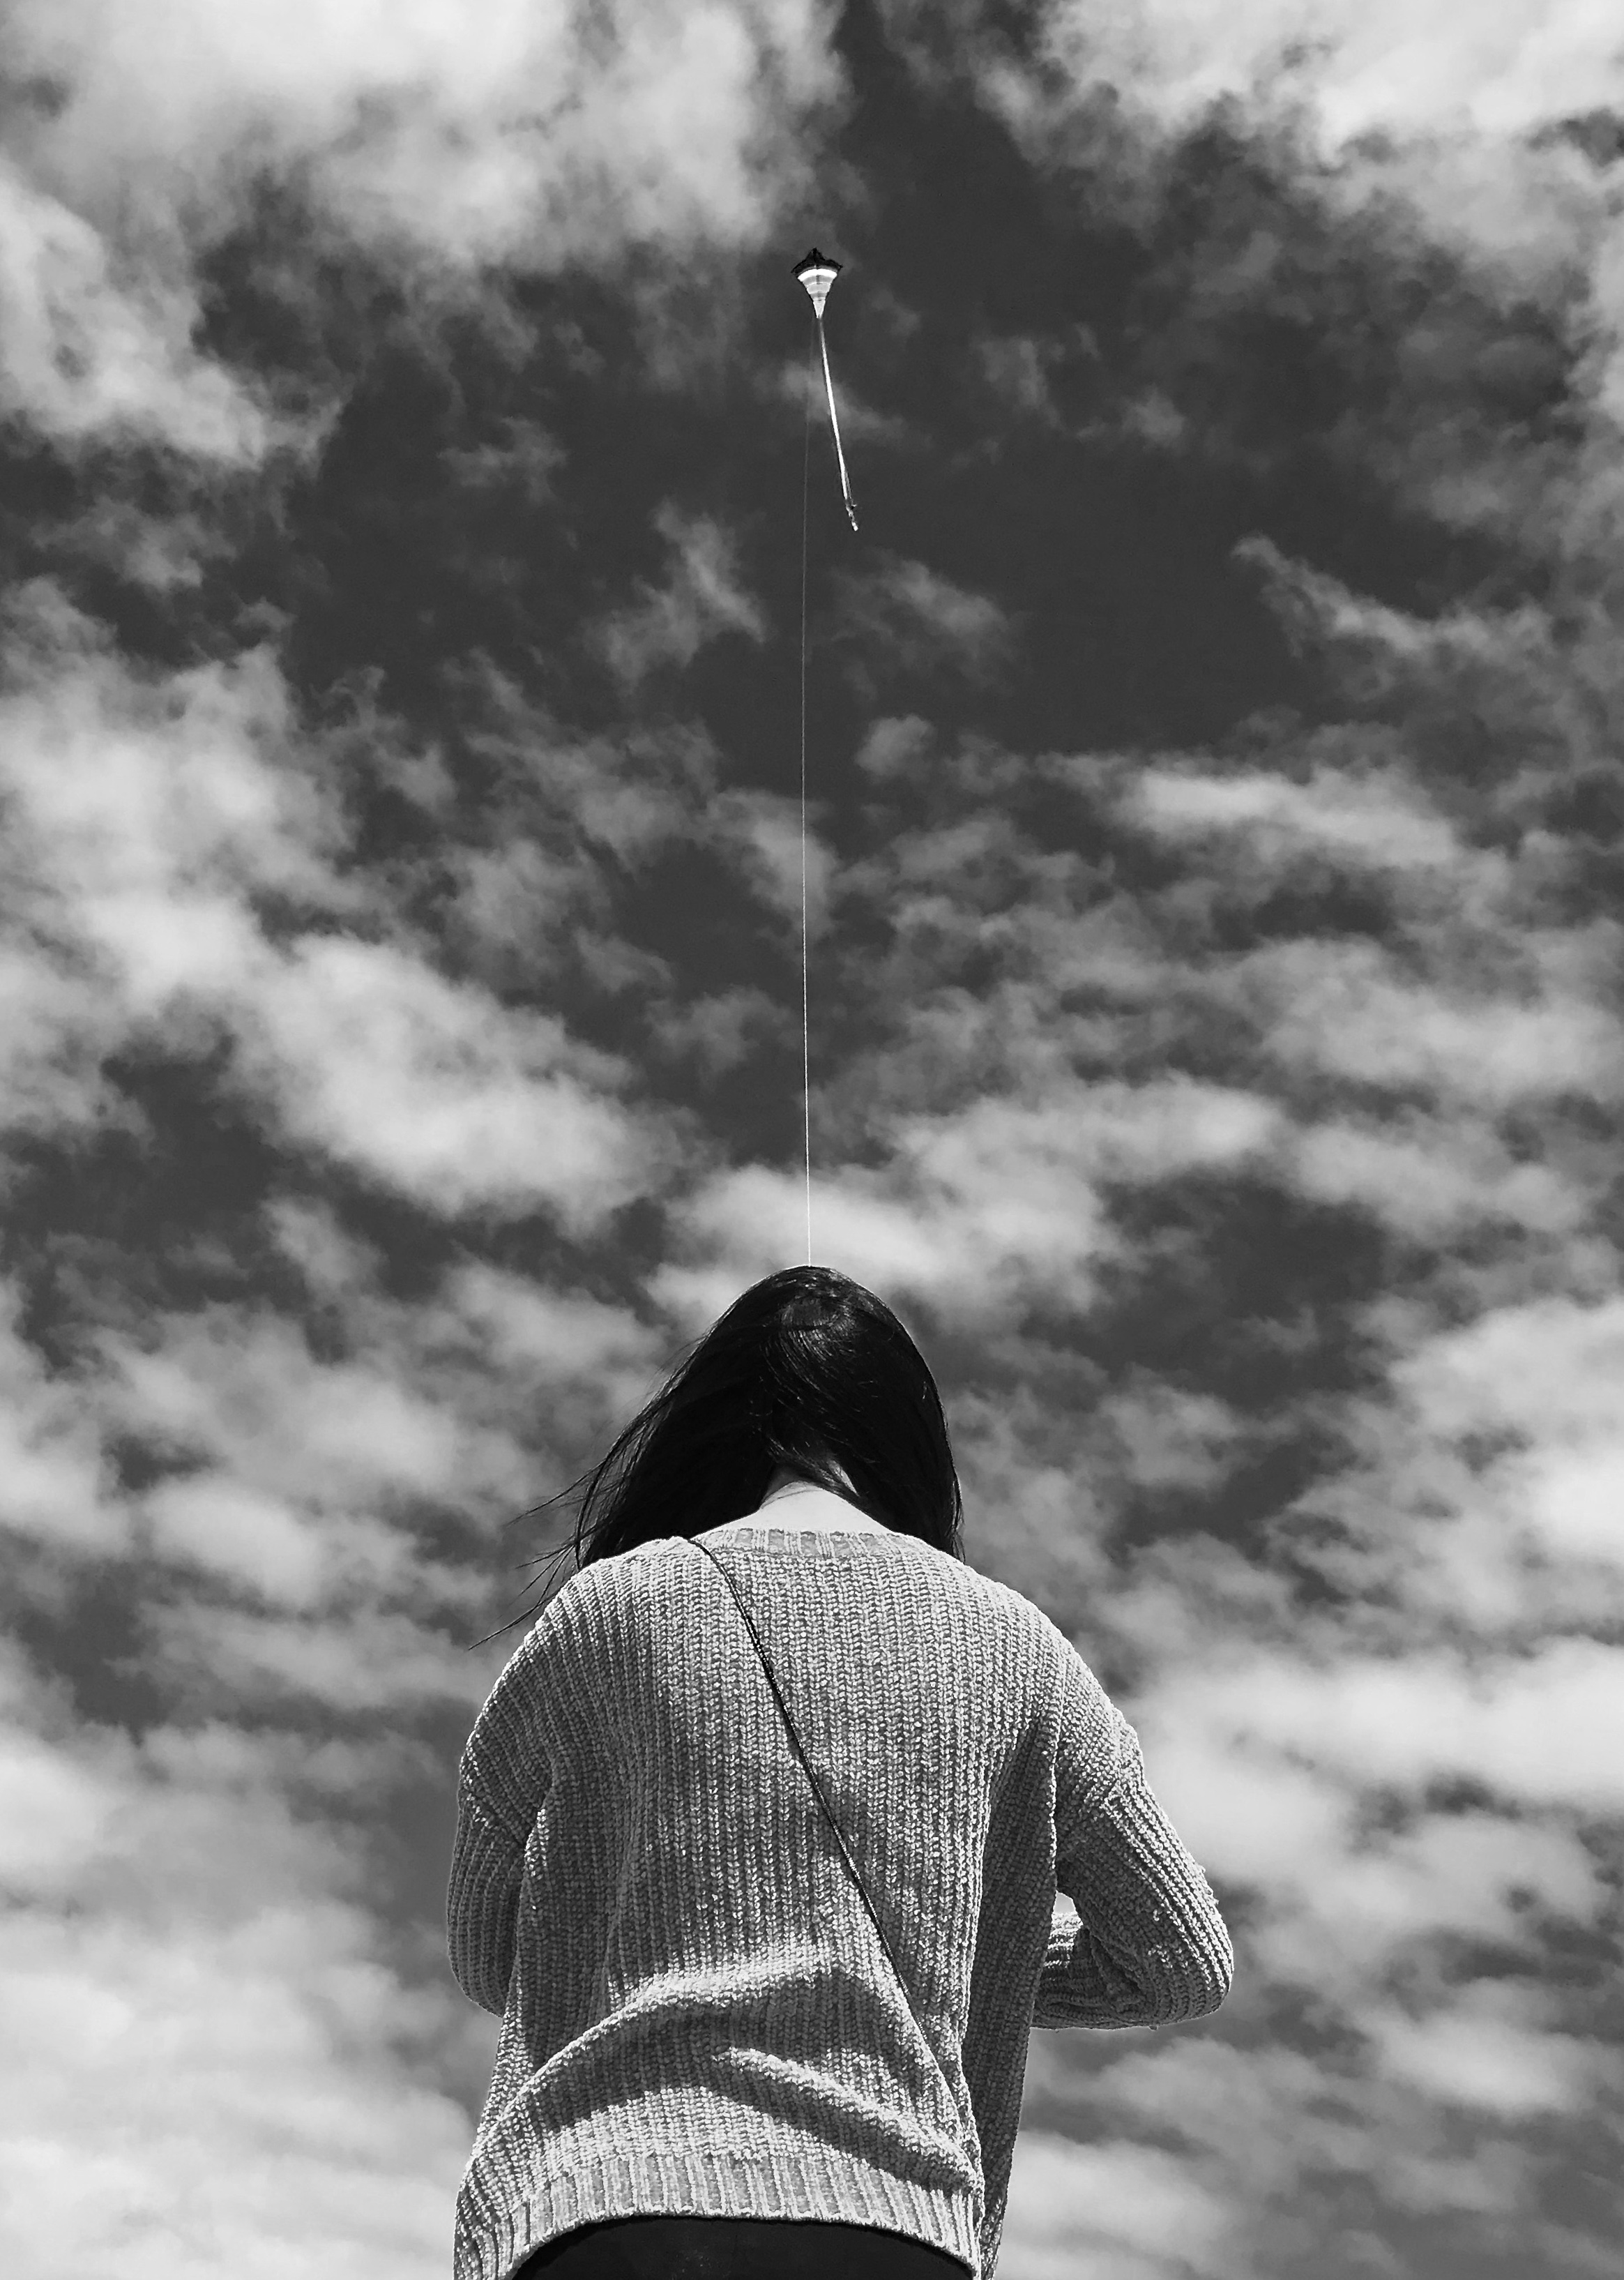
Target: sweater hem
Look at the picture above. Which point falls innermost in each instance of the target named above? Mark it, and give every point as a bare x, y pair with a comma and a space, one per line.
500, 2220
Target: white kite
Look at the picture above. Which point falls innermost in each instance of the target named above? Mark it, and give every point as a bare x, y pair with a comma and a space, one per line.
818, 273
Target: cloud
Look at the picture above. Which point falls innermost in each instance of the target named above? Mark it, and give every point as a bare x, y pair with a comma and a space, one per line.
57, 1480
1351, 1010
437, 1089
989, 1208
546, 138
553, 137
1486, 2056
1381, 655
1128, 2207
166, 1886
1500, 68
906, 619
140, 830
1542, 1367
1425, 1721
1424, 1173
1320, 318
1376, 821
701, 600
567, 1332
297, 1490
895, 747
154, 838
87, 351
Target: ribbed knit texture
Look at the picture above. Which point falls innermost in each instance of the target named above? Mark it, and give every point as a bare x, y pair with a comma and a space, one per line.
698, 2017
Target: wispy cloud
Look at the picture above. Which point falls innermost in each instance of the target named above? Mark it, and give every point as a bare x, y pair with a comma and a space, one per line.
904, 618
701, 600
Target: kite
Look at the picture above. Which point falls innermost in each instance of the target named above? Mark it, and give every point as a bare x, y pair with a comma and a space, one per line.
818, 273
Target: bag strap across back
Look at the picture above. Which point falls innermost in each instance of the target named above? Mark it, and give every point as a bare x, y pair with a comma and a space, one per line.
812, 1777
823, 1801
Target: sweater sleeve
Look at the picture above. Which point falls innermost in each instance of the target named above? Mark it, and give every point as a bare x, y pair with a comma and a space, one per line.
482, 1907
1145, 1945
502, 1783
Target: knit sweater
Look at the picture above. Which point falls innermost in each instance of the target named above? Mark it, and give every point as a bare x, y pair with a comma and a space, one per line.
698, 2017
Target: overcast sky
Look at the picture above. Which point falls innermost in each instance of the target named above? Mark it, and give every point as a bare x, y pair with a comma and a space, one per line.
1215, 815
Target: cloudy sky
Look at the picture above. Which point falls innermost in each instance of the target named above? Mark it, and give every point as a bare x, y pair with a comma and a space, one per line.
1216, 842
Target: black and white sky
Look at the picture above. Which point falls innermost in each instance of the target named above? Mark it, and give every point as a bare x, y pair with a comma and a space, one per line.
1215, 842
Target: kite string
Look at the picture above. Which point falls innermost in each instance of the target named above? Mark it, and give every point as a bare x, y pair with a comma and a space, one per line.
805, 1025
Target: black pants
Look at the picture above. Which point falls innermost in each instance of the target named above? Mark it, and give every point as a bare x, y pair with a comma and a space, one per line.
734, 2248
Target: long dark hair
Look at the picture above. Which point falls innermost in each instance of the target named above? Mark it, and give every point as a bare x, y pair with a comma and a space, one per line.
807, 1370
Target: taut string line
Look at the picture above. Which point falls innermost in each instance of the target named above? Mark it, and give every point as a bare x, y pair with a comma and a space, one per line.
817, 273
805, 1024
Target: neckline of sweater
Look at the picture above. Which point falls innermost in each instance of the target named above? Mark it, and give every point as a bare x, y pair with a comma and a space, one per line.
784, 1534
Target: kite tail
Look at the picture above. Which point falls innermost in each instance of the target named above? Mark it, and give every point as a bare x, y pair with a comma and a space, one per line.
845, 485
